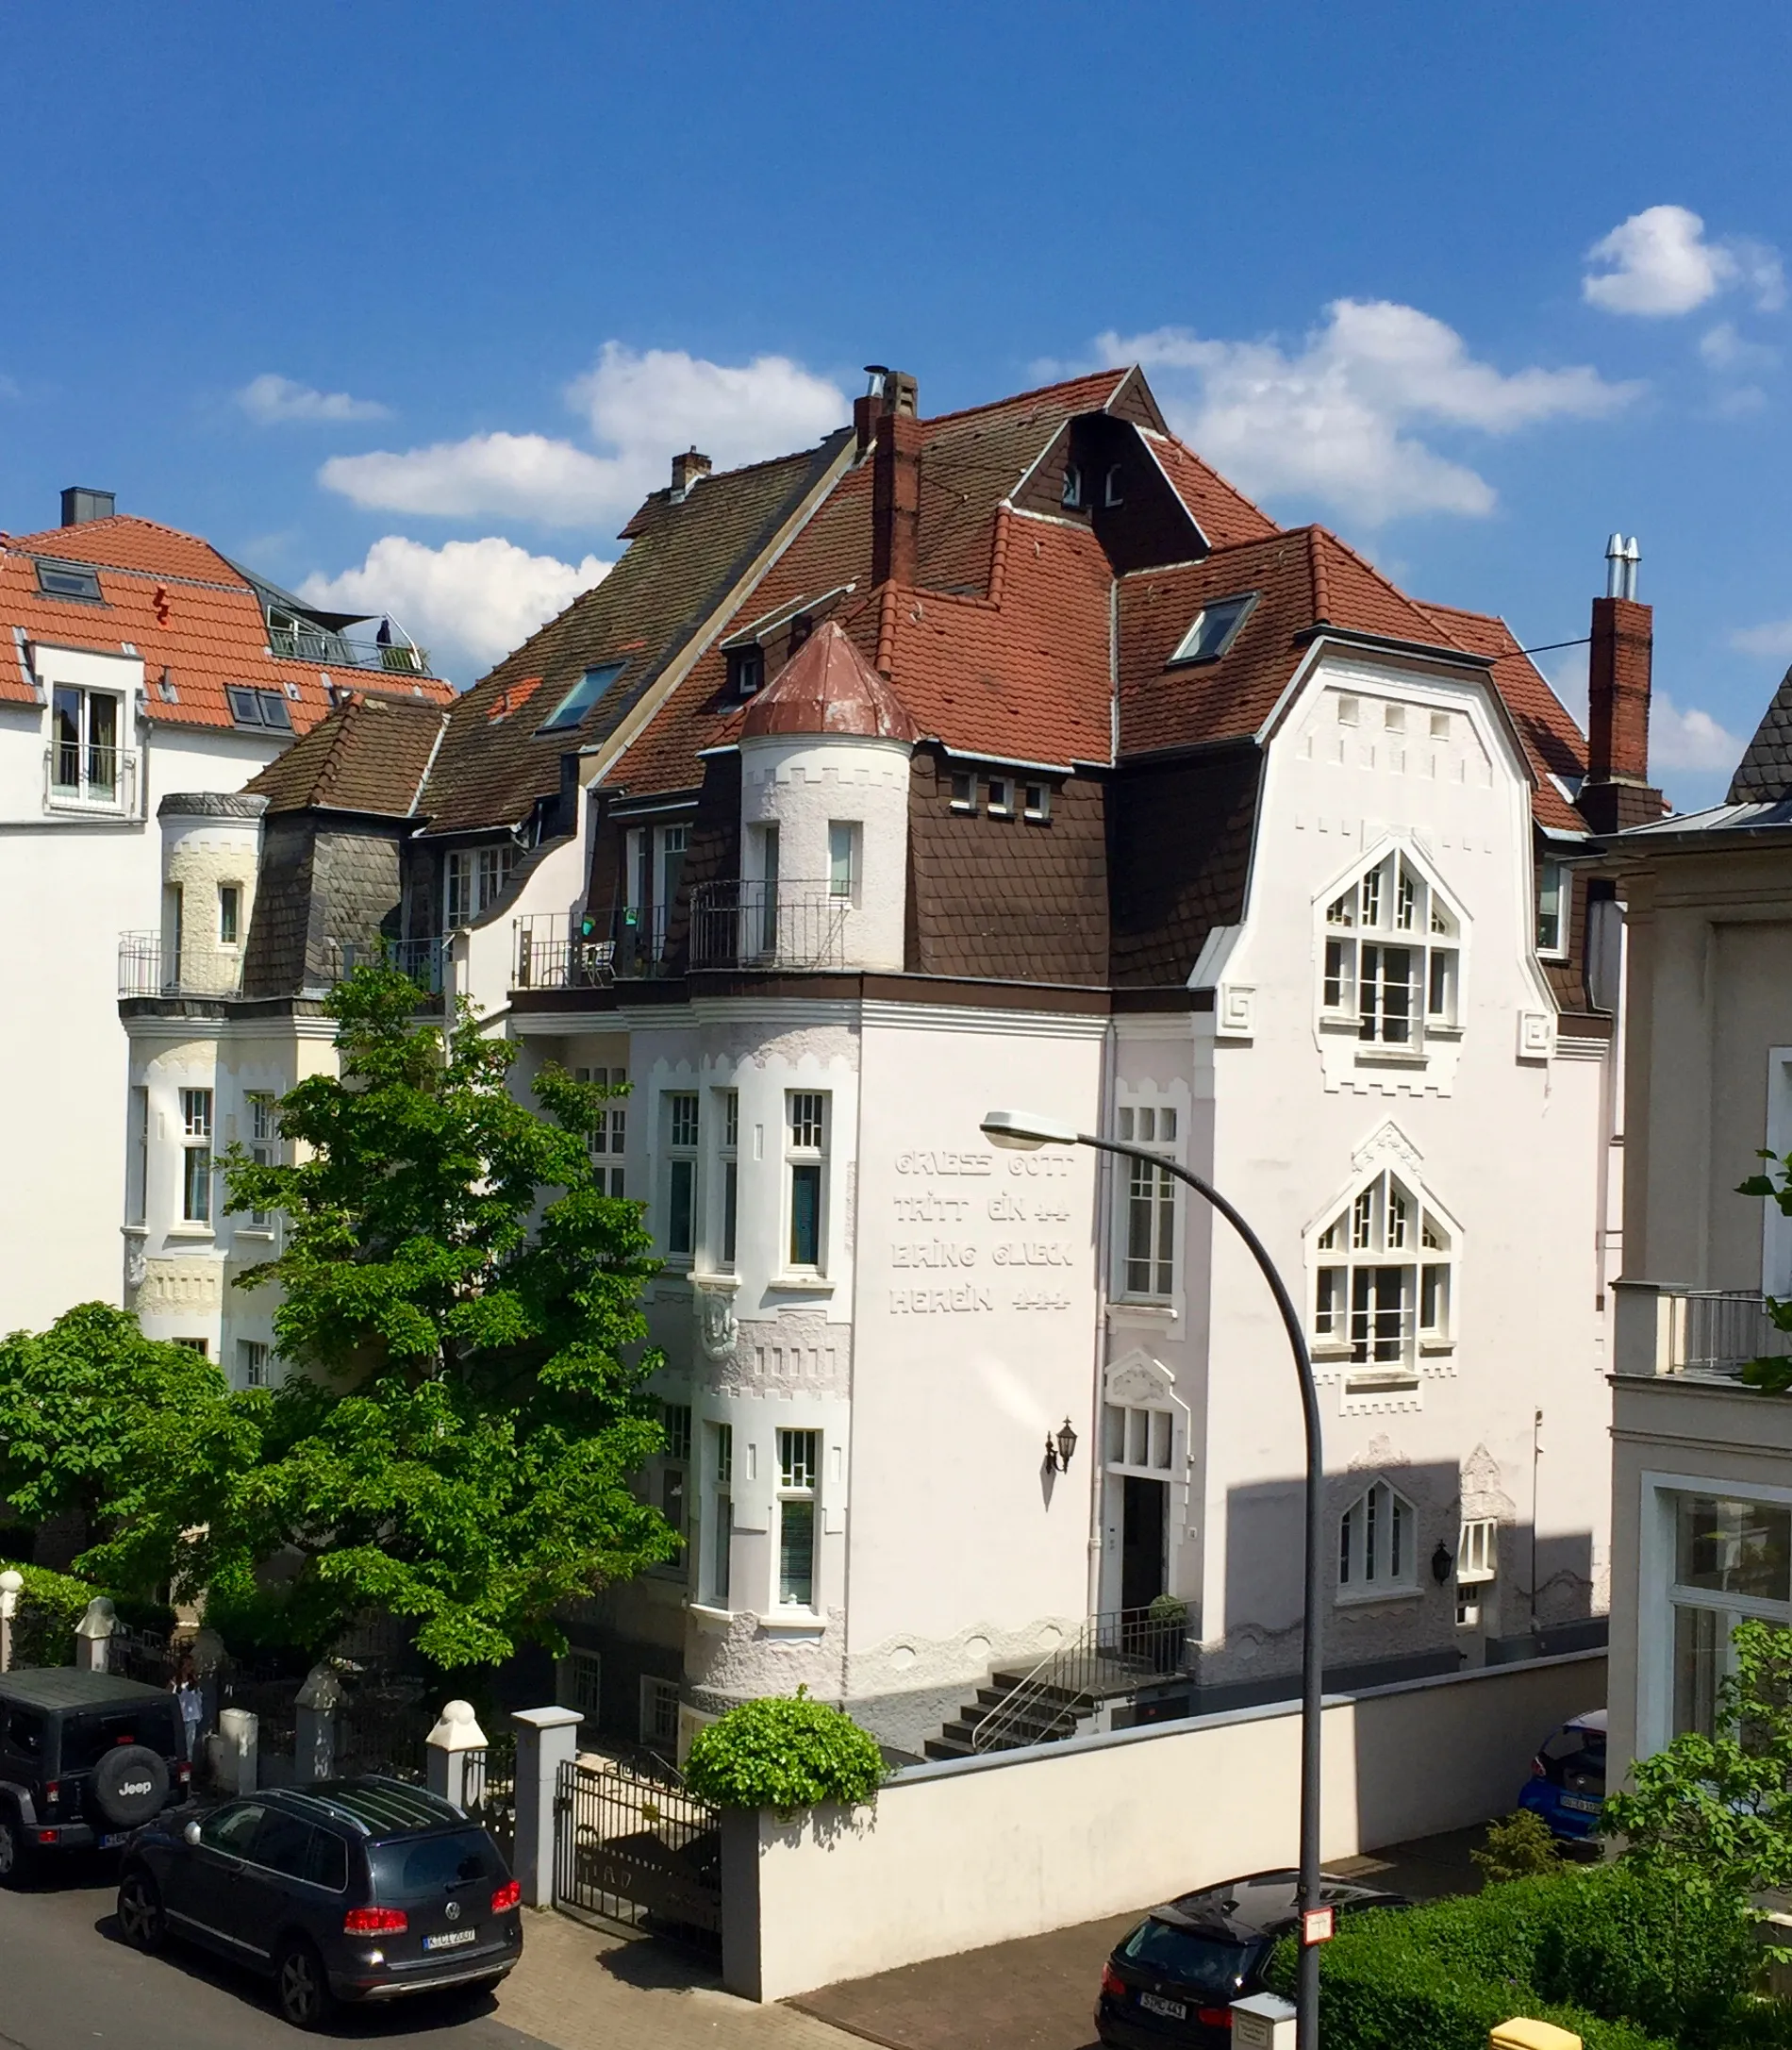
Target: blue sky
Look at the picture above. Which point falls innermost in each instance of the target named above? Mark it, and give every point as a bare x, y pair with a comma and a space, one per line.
410, 302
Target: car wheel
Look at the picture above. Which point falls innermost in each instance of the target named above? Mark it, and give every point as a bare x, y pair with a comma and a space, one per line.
299, 1986
15, 1855
141, 1920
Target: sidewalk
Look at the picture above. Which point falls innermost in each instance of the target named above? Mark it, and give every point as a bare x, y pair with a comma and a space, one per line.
1039, 1992
581, 1988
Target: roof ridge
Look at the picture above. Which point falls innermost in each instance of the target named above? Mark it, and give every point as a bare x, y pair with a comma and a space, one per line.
1316, 577
1037, 392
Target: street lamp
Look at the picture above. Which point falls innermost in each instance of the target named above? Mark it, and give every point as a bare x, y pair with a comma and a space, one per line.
1024, 1132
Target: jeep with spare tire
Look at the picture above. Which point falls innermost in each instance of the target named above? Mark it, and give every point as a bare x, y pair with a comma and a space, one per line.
85, 1759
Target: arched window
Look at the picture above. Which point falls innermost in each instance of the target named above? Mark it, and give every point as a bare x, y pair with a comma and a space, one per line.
1072, 494
1382, 1273
1377, 1545
1392, 955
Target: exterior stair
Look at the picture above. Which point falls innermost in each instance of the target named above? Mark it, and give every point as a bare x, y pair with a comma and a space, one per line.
1113, 1656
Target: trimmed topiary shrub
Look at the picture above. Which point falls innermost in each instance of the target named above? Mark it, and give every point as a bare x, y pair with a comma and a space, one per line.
1619, 1958
786, 1752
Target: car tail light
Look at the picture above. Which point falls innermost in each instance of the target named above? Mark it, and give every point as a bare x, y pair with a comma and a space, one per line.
1214, 2017
52, 1793
1538, 1770
507, 1896
375, 1922
1112, 1986
183, 1772
46, 1835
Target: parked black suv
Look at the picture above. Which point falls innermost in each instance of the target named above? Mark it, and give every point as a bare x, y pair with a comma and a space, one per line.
1173, 1980
350, 1890
84, 1760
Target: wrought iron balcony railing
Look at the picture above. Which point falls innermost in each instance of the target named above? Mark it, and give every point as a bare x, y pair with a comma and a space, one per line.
337, 651
623, 942
742, 924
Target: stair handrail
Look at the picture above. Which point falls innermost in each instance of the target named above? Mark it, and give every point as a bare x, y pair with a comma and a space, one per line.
1040, 1681
1069, 1669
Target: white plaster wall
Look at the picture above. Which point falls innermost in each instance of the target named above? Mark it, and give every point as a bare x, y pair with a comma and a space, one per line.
69, 885
956, 1856
1509, 1145
803, 786
200, 855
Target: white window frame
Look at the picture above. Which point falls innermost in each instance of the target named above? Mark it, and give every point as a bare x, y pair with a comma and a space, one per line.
262, 1113
1555, 905
964, 790
844, 838
137, 1172
197, 1106
230, 898
1148, 1204
681, 1115
674, 1501
1036, 802
1387, 1225
473, 878
1001, 804
610, 1136
1478, 1551
88, 790
727, 1220
253, 1361
1391, 905
658, 1730
808, 1127
1377, 1556
1138, 1439
797, 1484
716, 1576
579, 1683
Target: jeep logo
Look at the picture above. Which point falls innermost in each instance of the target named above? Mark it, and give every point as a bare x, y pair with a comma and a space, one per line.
133, 1787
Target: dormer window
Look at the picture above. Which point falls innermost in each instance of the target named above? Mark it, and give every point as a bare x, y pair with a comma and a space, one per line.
576, 704
69, 580
1072, 494
257, 708
746, 671
1113, 493
1215, 628
1000, 797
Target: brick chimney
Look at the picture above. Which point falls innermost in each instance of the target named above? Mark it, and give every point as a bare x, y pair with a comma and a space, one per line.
887, 417
687, 470
1617, 792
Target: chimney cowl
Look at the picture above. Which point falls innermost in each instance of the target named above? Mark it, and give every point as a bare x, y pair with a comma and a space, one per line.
81, 503
1621, 558
1617, 792
687, 471
893, 393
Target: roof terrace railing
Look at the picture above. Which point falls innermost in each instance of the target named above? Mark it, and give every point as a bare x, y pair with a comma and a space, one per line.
623, 942
753, 923
337, 651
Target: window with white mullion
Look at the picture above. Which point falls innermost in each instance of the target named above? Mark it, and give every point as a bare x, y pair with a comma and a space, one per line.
1138, 1439
728, 1178
798, 1463
1149, 1253
1390, 951
1377, 1545
721, 1545
609, 1134
681, 1172
1382, 1277
196, 1179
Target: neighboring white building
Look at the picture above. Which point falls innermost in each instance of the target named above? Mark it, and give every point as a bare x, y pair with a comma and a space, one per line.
1702, 1466
1013, 759
135, 661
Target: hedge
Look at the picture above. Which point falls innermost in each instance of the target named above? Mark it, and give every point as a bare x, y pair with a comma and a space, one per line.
1616, 1957
49, 1607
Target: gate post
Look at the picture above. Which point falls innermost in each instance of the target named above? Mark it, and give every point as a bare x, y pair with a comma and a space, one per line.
546, 1739
10, 1583
314, 1749
93, 1635
452, 1746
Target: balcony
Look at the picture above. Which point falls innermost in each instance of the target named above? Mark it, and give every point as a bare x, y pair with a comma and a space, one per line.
150, 967
623, 943
767, 926
426, 961
1715, 1331
337, 651
89, 777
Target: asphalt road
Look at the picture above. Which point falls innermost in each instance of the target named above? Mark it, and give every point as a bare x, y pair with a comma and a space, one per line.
66, 1981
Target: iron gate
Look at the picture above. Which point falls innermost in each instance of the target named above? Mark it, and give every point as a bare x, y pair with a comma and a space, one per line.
638, 1849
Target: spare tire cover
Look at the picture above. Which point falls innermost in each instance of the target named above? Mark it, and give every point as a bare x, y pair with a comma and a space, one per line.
129, 1786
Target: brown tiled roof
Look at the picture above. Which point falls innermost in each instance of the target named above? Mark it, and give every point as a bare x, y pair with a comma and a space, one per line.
682, 560
180, 604
828, 686
1221, 511
370, 755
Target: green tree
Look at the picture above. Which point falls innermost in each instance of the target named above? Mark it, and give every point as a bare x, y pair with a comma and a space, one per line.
1772, 1376
463, 1306
1714, 1814
99, 1425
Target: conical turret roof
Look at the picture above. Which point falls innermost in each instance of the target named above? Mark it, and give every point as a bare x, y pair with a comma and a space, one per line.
827, 687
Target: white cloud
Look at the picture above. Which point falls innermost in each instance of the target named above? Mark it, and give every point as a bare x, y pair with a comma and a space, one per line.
271, 400
641, 407
1334, 418
1772, 640
1690, 739
1723, 348
469, 602
1659, 263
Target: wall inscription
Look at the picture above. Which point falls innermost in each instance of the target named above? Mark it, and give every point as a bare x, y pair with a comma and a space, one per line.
969, 1268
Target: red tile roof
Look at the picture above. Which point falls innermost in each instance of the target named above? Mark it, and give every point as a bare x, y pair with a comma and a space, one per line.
1221, 511
828, 686
184, 609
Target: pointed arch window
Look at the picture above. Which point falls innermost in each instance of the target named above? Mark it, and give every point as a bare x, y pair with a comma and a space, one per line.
1392, 956
1383, 1274
1377, 1545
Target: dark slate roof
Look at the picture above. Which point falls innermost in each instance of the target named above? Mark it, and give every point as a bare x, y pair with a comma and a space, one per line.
1765, 772
369, 756
682, 560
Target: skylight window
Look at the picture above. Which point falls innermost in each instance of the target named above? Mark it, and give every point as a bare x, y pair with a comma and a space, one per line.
258, 707
573, 707
1215, 629
69, 580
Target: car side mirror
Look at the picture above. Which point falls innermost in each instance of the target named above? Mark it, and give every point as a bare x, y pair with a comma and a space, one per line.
192, 1833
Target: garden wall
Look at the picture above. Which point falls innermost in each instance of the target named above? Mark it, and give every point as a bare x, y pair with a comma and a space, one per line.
976, 1851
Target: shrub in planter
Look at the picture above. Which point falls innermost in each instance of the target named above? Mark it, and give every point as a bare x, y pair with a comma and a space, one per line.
786, 1752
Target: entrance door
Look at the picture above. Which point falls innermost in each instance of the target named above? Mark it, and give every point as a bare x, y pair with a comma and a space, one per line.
1142, 1523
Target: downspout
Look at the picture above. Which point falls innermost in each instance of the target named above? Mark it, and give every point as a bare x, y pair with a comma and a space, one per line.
1103, 1250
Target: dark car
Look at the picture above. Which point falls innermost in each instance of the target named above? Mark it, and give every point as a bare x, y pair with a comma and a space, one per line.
1173, 1980
84, 1760
350, 1890
1567, 1787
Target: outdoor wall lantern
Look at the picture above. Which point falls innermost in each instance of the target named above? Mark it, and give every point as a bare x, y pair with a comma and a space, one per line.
1058, 1451
1440, 1563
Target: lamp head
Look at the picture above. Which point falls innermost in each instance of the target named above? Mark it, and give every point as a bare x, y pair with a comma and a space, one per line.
1023, 1132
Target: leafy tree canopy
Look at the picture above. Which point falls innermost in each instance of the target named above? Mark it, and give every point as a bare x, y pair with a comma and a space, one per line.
462, 1303
1772, 1376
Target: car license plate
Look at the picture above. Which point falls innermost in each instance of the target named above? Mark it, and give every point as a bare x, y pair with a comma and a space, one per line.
1172, 2010
453, 1940
1581, 1806
114, 1839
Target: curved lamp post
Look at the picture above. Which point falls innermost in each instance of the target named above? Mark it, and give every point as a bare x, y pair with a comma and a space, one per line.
1026, 1133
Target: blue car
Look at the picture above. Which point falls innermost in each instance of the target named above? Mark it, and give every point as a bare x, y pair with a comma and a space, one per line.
1567, 1785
